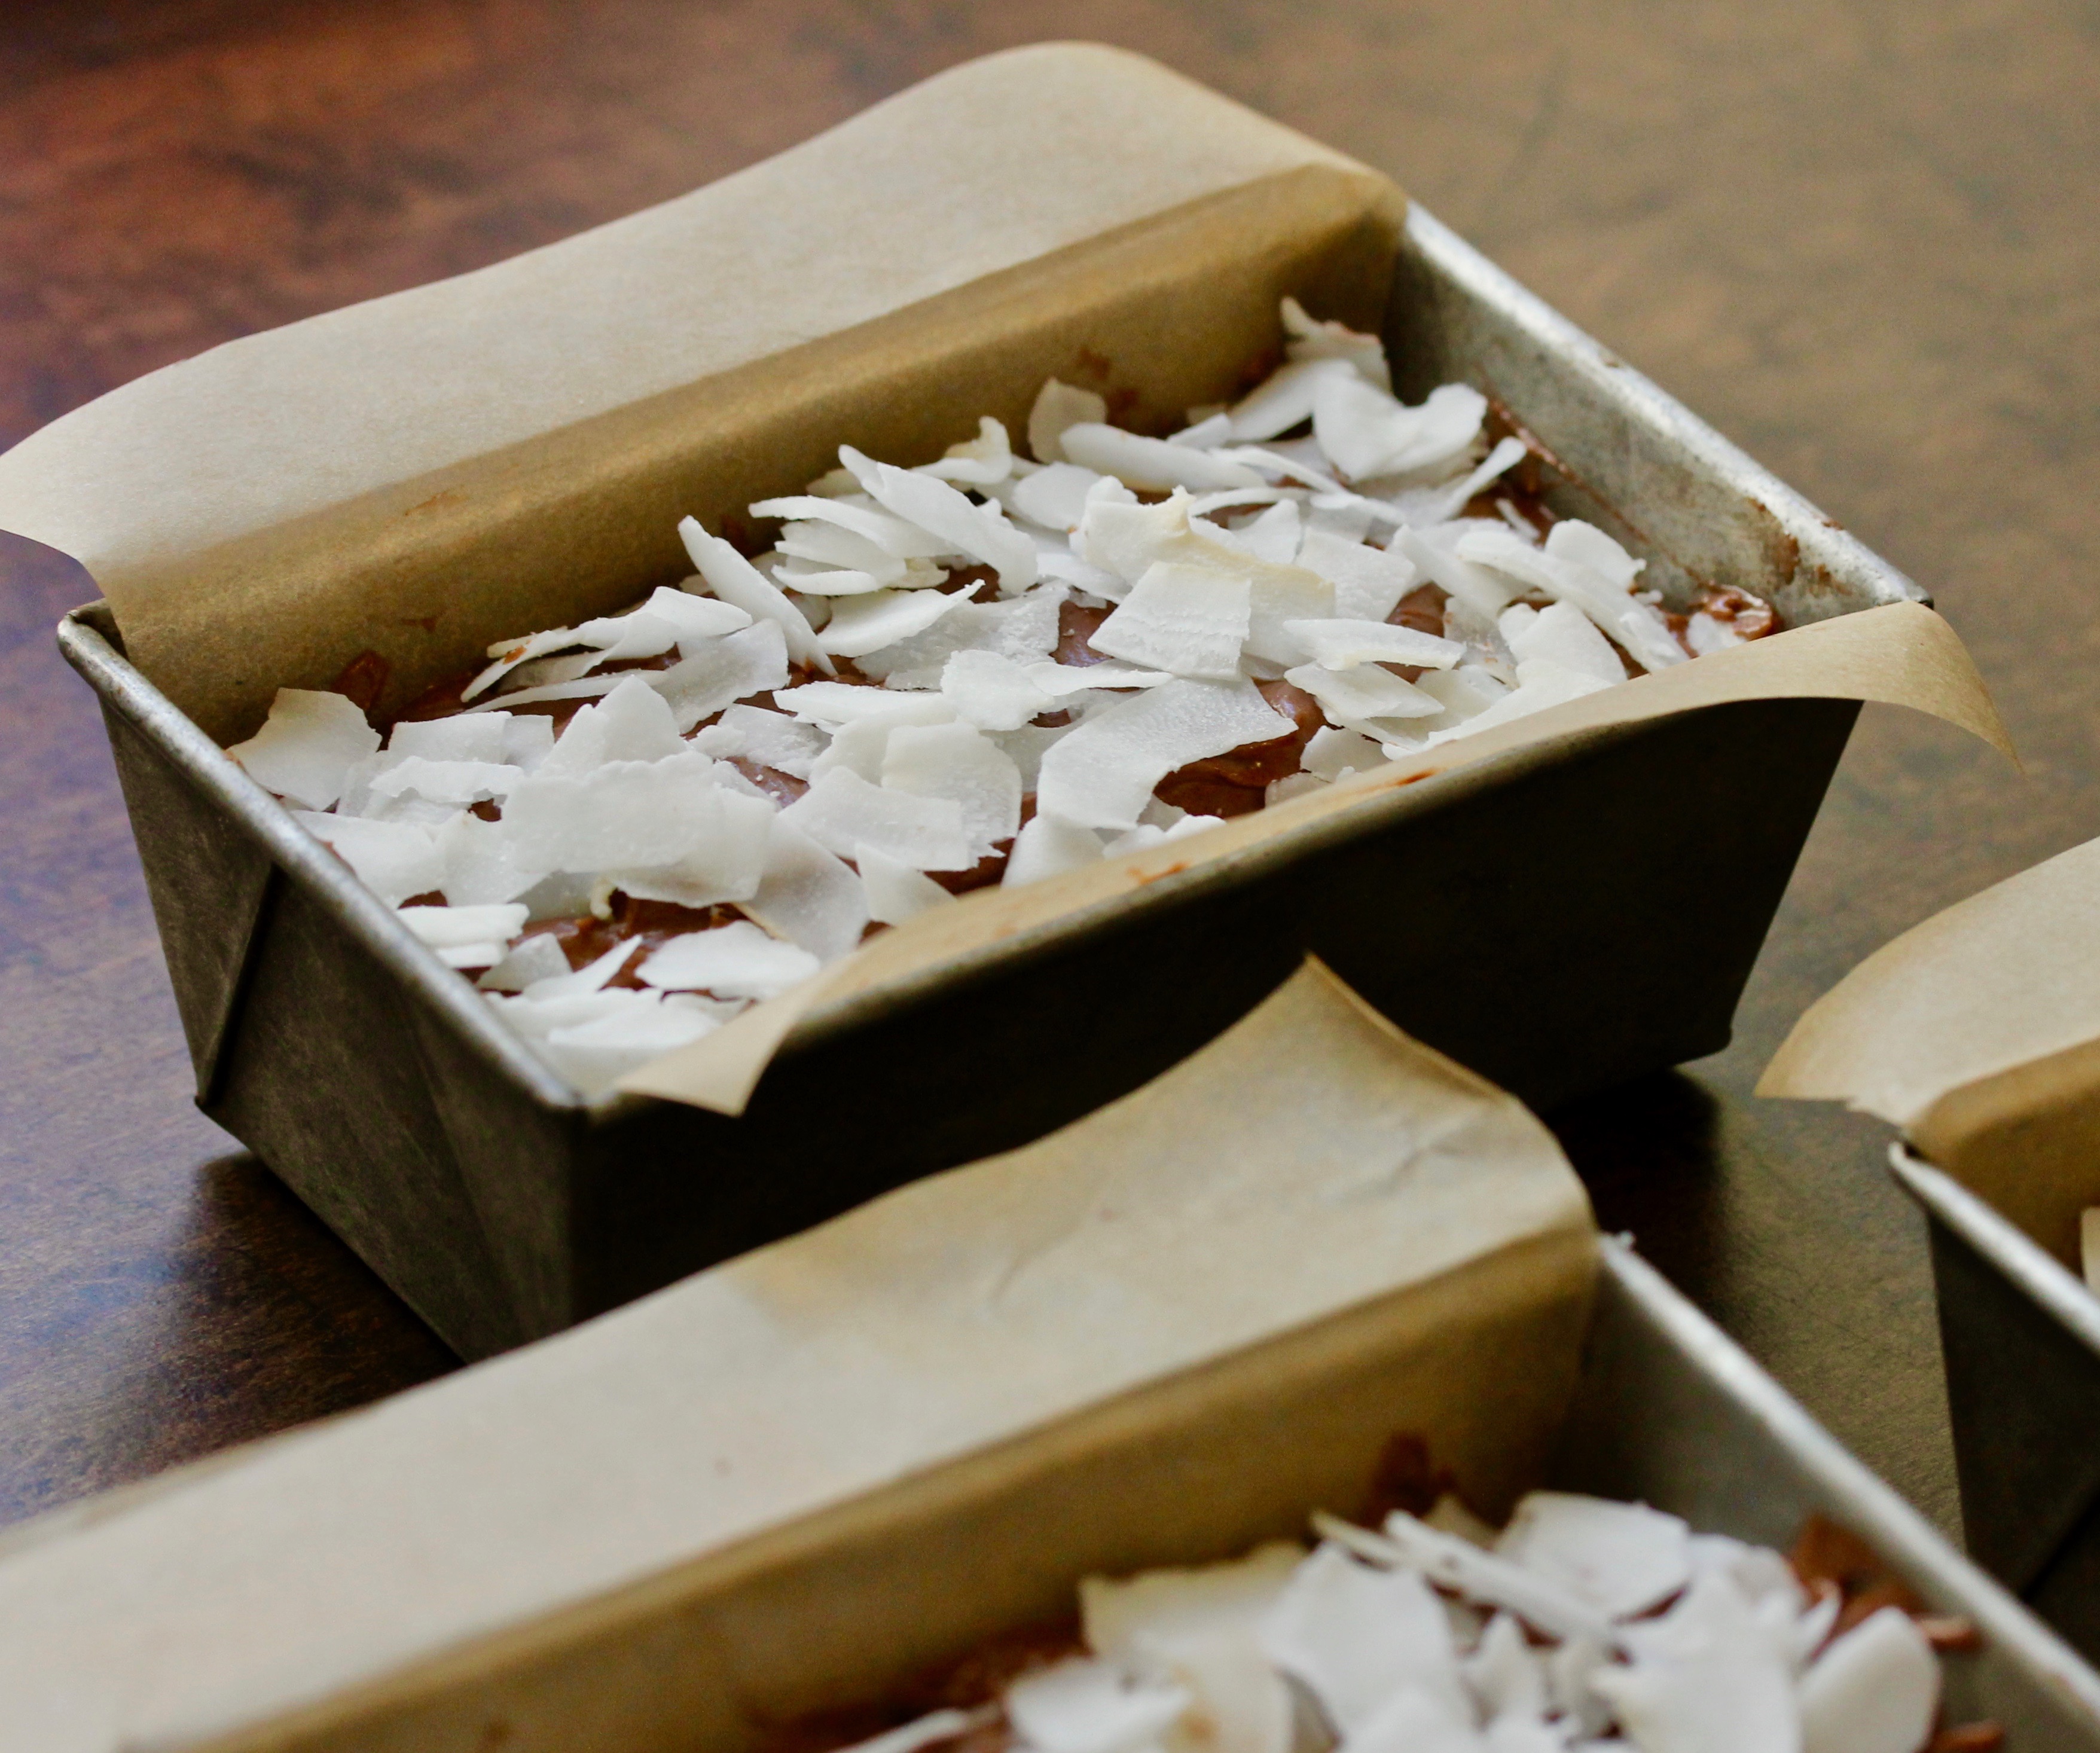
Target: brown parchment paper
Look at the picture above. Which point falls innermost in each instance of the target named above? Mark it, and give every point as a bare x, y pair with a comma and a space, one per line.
1978, 1033
1902, 654
1312, 1184
424, 474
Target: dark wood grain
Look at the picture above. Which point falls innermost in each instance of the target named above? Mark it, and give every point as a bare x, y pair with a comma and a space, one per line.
1859, 237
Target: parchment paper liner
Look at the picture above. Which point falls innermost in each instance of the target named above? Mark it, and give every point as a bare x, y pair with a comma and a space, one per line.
1105, 1324
1978, 1033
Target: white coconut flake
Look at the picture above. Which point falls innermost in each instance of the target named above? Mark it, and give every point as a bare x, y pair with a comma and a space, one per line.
536, 957
1560, 633
1081, 1706
733, 960
983, 461
992, 692
1876, 1689
715, 672
769, 738
1369, 582
1276, 535
1582, 564
1150, 465
1357, 1636
1433, 553
1342, 644
595, 1054
1056, 496
1186, 620
455, 783
858, 516
1049, 845
1024, 628
1367, 433
307, 745
1332, 752
1622, 1558
1421, 506
1314, 340
958, 763
1704, 1676
980, 532
727, 864
632, 723
807, 895
459, 928
1058, 407
622, 815
734, 580
1061, 680
841, 811
393, 859
1364, 692
1283, 399
861, 624
1101, 774
896, 892
465, 738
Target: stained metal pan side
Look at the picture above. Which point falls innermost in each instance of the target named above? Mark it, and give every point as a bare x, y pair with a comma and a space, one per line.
502, 1207
2021, 1337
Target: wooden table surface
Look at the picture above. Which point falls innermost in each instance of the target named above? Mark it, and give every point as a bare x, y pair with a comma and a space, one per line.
1860, 238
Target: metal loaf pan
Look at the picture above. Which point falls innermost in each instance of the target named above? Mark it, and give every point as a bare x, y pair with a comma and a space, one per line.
1668, 1410
2021, 1336
1484, 911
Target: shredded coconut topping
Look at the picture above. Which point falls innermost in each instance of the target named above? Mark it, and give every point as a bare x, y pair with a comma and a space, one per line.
994, 666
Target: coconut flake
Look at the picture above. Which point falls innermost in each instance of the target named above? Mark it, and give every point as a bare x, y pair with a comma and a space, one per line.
808, 896
537, 958
1184, 619
1101, 773
1874, 1690
1049, 845
1058, 407
1705, 1676
1150, 465
734, 580
983, 461
726, 865
992, 692
717, 671
861, 624
858, 516
1364, 692
478, 864
1198, 1628
1078, 1705
1331, 753
632, 723
841, 810
595, 1054
956, 762
1061, 680
307, 745
465, 738
444, 928
1622, 1558
1274, 537
1369, 582
1283, 399
1582, 564
1456, 1564
980, 532
1056, 497
896, 892
1561, 633
769, 738
620, 815
1024, 628
1357, 1635
832, 704
454, 782
393, 859
1433, 553
1367, 433
1421, 506
1312, 340
1342, 644
733, 960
